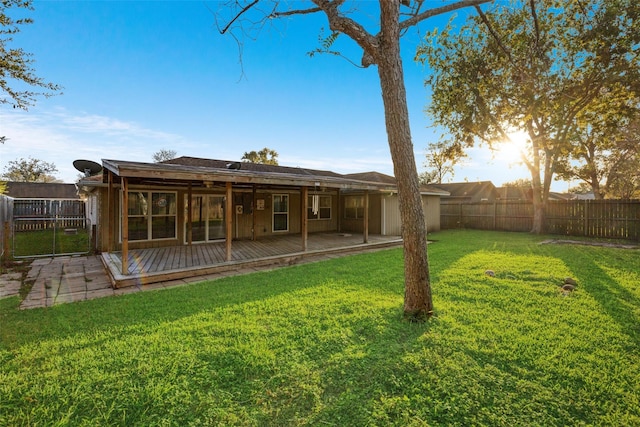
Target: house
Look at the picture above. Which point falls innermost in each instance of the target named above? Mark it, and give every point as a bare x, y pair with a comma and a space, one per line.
526, 195
513, 193
41, 190
469, 192
189, 200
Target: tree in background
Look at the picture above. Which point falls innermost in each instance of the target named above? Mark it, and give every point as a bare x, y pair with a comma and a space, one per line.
604, 142
381, 49
535, 66
580, 188
606, 155
441, 159
623, 167
266, 156
163, 155
518, 183
16, 65
31, 170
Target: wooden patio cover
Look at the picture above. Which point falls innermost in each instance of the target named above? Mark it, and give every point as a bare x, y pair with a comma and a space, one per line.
127, 172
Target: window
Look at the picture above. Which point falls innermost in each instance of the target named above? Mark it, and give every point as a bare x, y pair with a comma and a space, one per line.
280, 212
319, 207
354, 207
159, 222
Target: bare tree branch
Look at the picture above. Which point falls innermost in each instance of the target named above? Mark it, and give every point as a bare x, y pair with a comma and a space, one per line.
296, 12
244, 9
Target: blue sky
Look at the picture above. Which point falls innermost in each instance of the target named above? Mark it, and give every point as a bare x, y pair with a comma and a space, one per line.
140, 76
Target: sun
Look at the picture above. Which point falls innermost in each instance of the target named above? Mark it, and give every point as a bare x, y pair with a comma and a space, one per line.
513, 148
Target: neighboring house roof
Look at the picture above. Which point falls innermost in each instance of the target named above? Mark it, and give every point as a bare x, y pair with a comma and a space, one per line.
469, 191
585, 196
514, 193
41, 190
560, 196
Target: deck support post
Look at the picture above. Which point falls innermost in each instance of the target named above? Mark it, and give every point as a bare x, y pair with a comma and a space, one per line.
365, 228
228, 218
110, 214
303, 217
189, 214
125, 227
253, 212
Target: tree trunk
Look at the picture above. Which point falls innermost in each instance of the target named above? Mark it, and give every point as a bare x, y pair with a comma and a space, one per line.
538, 209
417, 300
538, 218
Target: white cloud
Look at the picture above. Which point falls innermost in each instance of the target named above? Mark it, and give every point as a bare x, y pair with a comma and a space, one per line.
61, 136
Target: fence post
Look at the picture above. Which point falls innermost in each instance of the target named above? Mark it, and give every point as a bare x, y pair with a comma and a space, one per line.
495, 214
586, 217
5, 242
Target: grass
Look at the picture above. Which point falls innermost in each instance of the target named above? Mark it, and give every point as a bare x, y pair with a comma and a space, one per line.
50, 241
325, 344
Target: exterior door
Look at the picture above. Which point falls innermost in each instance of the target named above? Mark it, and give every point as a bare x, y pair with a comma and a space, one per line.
207, 218
216, 229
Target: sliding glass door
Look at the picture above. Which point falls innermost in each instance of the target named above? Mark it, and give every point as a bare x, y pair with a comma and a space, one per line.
207, 218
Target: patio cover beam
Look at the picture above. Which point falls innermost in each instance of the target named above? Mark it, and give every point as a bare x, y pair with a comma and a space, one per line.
228, 219
163, 172
303, 217
125, 227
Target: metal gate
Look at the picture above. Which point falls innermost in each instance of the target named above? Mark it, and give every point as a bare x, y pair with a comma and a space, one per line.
50, 227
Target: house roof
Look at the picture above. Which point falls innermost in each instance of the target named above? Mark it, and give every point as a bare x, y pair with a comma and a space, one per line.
372, 177
247, 166
41, 190
470, 191
193, 169
514, 193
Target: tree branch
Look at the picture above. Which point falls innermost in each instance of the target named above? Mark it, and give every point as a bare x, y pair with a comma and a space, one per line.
494, 34
244, 9
534, 15
295, 12
439, 11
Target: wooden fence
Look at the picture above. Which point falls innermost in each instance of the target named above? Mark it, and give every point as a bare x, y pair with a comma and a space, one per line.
616, 219
41, 214
6, 219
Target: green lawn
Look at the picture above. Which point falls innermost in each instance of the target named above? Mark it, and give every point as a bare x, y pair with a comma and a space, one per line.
324, 344
46, 242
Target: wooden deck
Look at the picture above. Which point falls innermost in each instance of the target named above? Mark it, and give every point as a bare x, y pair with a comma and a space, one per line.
179, 262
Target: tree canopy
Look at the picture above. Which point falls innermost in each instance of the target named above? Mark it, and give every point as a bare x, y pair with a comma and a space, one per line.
441, 159
17, 75
30, 170
538, 66
163, 154
266, 156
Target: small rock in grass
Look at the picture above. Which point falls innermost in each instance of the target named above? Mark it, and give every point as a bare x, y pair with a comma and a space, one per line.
568, 287
490, 273
570, 281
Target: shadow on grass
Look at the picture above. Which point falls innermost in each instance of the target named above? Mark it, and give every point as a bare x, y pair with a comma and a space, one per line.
380, 270
616, 300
